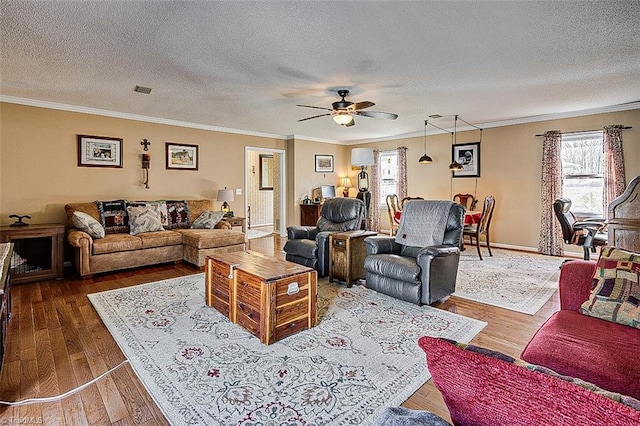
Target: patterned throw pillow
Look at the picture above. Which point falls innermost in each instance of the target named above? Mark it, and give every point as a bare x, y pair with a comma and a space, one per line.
615, 292
144, 219
113, 216
161, 206
177, 214
207, 220
88, 224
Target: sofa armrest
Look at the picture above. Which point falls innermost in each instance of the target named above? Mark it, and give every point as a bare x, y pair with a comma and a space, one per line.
382, 245
575, 281
302, 232
83, 244
223, 224
79, 239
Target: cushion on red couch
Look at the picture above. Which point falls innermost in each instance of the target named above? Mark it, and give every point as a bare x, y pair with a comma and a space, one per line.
483, 390
601, 352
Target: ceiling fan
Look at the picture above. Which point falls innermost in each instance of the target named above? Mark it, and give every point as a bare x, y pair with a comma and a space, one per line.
343, 111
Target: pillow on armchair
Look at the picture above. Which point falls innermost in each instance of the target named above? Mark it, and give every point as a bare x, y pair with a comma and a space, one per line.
615, 294
481, 387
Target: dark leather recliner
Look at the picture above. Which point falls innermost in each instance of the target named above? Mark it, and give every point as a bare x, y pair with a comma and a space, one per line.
420, 275
309, 245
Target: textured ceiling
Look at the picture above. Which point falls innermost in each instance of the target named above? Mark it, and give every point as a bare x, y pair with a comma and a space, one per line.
245, 65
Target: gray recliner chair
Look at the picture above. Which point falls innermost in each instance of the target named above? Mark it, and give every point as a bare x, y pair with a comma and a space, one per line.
309, 245
420, 264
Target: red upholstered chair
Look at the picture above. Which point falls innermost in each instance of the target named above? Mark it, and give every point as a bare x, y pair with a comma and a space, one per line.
481, 387
601, 352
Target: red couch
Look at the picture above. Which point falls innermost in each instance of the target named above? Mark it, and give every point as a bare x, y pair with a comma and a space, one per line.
604, 353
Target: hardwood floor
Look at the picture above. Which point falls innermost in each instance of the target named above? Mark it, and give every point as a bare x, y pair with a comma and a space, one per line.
56, 342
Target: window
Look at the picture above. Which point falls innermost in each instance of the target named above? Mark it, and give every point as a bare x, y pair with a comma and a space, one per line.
583, 172
388, 175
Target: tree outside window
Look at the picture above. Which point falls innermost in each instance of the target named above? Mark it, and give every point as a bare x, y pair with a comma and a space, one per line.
583, 173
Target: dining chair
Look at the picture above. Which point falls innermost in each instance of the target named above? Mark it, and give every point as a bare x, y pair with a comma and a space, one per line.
467, 200
405, 199
394, 213
475, 230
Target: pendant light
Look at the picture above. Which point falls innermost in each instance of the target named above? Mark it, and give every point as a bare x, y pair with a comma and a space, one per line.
455, 166
425, 159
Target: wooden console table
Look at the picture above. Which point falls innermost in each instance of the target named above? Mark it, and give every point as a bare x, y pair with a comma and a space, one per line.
41, 251
269, 297
347, 252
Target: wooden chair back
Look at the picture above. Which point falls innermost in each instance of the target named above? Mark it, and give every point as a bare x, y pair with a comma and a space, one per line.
467, 200
405, 199
392, 208
487, 214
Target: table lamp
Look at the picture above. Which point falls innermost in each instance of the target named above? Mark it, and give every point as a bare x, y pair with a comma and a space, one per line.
346, 184
362, 157
225, 195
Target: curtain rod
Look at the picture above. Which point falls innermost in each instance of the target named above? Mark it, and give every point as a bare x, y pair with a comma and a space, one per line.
586, 131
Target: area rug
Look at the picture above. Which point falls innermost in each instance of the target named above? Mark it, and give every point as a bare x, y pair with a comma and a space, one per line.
514, 280
254, 233
202, 369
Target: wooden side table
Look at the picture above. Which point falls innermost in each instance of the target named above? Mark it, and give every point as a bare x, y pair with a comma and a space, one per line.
347, 252
40, 249
309, 214
237, 221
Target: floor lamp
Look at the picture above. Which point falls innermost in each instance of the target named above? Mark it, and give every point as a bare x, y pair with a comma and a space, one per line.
363, 157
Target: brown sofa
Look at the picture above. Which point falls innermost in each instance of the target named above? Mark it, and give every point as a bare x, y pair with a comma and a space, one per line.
122, 251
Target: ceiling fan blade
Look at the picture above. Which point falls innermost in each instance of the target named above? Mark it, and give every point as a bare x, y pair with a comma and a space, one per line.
376, 114
315, 116
311, 106
362, 105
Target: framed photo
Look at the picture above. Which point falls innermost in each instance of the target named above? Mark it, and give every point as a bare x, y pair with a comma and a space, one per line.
468, 155
99, 151
181, 156
324, 163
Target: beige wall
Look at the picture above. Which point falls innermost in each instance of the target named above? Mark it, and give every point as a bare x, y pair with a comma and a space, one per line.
39, 173
510, 170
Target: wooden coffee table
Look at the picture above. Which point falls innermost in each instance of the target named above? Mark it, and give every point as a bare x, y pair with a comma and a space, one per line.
269, 297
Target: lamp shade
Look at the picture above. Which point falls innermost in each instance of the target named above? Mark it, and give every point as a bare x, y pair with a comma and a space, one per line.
345, 182
425, 159
225, 194
362, 157
343, 118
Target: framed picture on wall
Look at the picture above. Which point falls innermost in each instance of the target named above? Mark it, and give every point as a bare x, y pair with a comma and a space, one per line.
99, 151
266, 172
182, 156
468, 155
324, 163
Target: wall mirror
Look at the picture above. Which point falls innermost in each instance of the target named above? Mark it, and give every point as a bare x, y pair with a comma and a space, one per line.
266, 172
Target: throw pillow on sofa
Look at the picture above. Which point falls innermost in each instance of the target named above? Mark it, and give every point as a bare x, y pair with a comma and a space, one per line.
161, 206
88, 224
177, 214
113, 216
207, 220
480, 389
144, 219
615, 292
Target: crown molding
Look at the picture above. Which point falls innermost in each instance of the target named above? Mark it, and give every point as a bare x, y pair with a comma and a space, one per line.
135, 117
512, 122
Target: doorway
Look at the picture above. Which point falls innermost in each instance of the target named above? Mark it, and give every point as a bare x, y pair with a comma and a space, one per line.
265, 178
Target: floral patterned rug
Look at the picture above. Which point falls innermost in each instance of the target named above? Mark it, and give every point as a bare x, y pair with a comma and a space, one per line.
509, 279
201, 369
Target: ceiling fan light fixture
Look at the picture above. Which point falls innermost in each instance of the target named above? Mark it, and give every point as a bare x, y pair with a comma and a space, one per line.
343, 118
